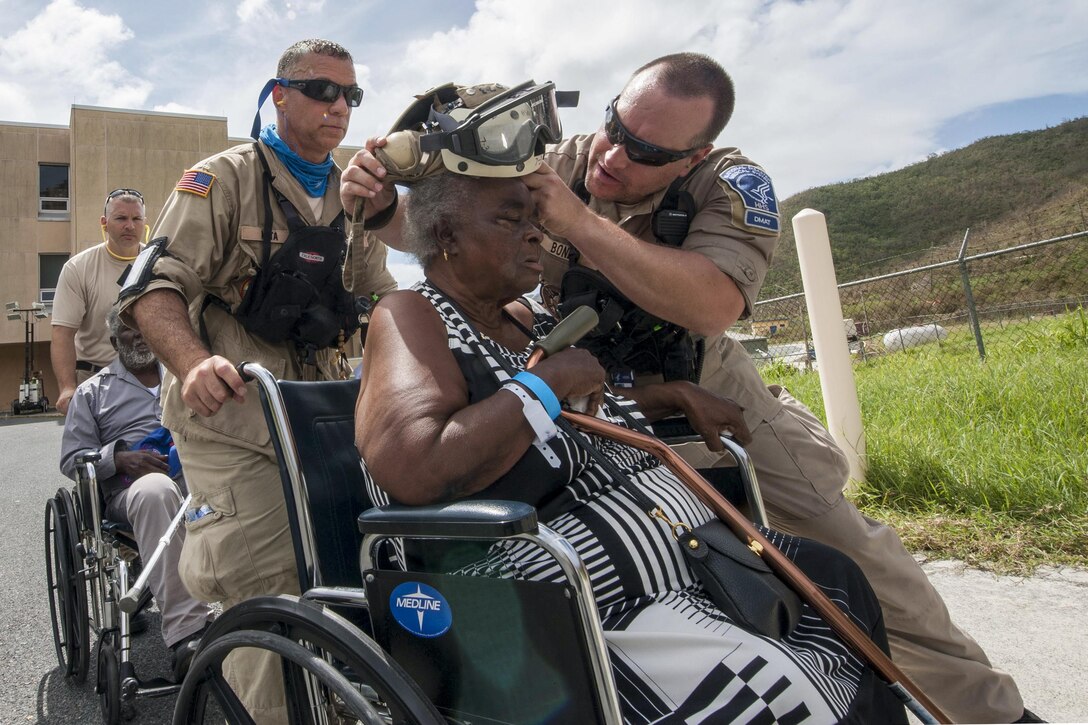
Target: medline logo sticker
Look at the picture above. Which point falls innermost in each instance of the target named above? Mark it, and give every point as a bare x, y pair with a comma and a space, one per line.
420, 609
754, 186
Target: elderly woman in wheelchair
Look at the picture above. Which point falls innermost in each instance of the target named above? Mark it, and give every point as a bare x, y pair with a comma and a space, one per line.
447, 411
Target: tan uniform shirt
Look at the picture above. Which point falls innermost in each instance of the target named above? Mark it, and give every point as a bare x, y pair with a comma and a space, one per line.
735, 225
214, 247
86, 291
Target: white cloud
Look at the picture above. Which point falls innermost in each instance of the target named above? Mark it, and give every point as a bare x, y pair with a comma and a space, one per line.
250, 10
827, 89
62, 56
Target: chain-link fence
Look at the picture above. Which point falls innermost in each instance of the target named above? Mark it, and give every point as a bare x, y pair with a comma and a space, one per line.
977, 302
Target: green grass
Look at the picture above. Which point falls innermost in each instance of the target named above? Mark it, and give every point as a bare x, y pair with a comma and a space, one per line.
983, 461
1006, 189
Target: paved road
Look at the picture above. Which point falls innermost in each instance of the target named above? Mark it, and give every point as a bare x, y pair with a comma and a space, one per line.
31, 688
1035, 628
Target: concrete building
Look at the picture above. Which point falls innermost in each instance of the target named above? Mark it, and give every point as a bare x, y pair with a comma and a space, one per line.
55, 180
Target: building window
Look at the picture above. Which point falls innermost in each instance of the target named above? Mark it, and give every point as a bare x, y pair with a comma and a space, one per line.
49, 267
53, 191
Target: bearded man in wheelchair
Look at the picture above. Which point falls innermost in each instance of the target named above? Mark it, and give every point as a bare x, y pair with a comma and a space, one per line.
117, 415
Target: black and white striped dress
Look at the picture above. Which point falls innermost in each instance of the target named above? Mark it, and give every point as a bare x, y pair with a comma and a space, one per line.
676, 657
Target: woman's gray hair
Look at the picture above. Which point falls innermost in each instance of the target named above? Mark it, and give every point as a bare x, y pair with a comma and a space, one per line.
442, 197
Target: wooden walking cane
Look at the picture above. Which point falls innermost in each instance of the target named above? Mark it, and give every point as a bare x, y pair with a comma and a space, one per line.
570, 330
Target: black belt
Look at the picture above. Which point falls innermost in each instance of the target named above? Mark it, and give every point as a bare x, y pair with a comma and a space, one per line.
89, 367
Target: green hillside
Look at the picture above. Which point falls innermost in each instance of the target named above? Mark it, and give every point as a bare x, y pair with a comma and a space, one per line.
1007, 189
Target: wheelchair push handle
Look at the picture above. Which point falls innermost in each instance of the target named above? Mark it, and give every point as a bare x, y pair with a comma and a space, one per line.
130, 601
244, 373
88, 457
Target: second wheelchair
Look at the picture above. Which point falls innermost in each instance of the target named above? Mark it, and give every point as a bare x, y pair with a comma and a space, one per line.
90, 562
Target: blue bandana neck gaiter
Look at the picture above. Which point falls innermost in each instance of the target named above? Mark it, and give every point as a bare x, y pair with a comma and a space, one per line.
313, 177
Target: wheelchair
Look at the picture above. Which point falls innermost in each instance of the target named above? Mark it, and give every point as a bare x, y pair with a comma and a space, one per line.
373, 641
89, 564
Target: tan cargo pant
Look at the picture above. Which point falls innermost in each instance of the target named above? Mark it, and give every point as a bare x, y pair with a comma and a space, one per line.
242, 550
801, 474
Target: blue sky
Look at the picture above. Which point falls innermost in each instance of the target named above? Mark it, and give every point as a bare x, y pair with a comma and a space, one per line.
827, 90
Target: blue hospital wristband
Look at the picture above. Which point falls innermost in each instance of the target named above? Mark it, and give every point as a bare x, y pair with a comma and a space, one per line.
543, 393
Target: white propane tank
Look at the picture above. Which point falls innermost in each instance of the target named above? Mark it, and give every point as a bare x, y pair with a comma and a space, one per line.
905, 337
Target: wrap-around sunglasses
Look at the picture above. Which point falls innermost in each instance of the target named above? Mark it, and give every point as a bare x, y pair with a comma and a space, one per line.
321, 89
639, 151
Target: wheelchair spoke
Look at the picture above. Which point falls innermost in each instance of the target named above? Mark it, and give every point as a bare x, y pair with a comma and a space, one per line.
226, 698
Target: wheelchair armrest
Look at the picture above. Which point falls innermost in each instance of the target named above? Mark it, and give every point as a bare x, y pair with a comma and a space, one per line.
461, 520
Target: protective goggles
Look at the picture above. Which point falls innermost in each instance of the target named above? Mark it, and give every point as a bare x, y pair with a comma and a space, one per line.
323, 90
506, 130
639, 151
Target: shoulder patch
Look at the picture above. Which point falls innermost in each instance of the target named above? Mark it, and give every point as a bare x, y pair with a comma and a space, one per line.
196, 182
758, 208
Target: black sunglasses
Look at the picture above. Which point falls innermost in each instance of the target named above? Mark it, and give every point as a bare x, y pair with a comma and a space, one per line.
123, 192
325, 91
638, 150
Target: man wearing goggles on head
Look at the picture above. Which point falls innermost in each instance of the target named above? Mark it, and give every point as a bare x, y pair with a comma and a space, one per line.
255, 229
670, 239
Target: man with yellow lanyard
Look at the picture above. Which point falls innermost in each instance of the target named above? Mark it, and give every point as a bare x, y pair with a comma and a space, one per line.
86, 291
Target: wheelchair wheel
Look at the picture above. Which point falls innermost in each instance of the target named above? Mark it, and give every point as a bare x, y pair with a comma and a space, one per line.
108, 685
67, 592
387, 691
338, 697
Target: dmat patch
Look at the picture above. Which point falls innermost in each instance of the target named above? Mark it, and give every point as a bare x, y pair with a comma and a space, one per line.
758, 208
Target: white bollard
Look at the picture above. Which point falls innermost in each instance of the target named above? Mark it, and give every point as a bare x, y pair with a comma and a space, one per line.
829, 338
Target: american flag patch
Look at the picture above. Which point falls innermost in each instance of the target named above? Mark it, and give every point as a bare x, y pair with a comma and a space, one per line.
196, 182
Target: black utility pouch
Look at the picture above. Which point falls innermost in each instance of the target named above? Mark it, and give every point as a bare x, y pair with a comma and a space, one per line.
286, 298
276, 305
